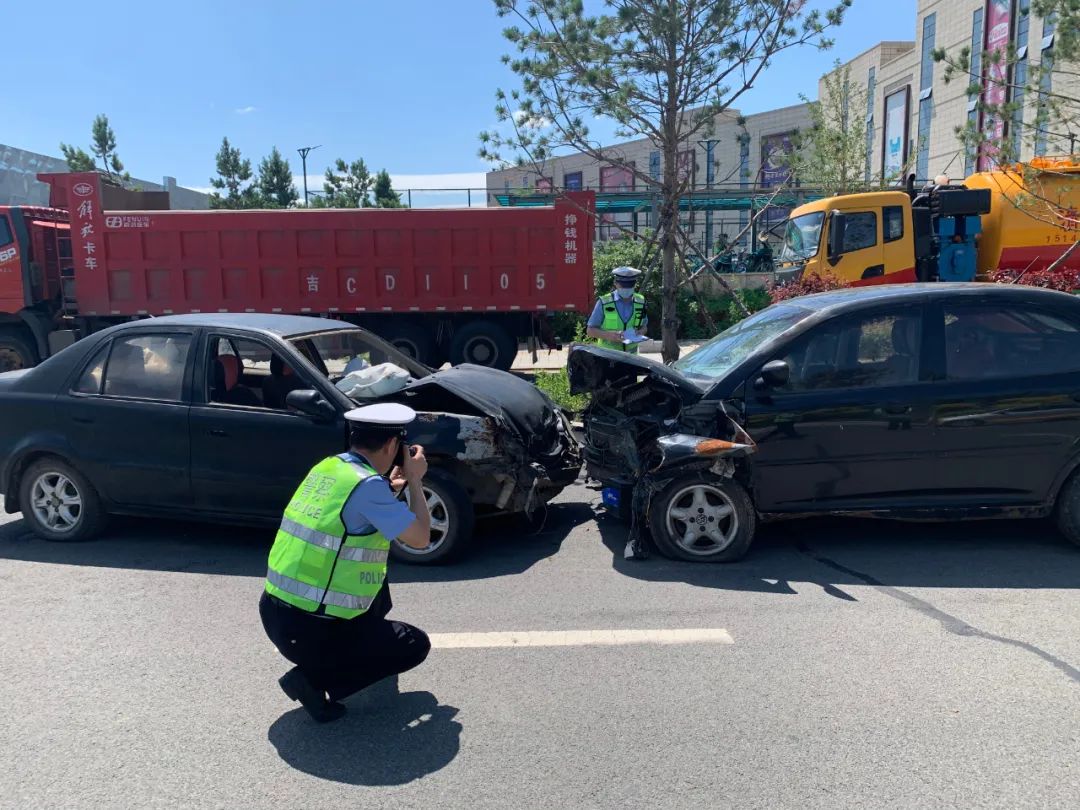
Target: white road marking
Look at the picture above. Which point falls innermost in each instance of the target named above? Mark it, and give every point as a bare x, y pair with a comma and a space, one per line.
579, 638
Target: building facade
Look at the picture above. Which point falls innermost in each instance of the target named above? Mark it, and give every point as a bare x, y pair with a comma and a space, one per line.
737, 158
913, 115
911, 120
19, 184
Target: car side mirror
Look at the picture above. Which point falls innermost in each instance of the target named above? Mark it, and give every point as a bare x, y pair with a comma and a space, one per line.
311, 403
774, 375
837, 223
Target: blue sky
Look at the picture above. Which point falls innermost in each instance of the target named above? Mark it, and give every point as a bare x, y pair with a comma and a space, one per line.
405, 84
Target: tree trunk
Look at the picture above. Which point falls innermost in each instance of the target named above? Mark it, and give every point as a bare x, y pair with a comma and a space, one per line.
669, 306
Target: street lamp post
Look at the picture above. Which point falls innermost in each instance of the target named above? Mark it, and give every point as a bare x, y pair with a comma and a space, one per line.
303, 150
710, 176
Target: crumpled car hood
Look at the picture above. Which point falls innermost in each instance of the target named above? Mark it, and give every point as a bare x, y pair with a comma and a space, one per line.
591, 368
499, 394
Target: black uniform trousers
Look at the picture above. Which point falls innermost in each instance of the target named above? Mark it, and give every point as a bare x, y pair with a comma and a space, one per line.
343, 656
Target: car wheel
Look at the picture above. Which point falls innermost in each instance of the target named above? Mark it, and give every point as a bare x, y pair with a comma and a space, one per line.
483, 343
59, 503
16, 353
452, 522
703, 518
1068, 509
411, 339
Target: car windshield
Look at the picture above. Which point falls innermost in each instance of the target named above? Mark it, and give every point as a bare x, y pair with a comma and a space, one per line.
802, 237
725, 351
336, 354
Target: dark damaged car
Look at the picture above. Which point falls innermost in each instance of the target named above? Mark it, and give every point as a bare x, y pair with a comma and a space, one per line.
919, 402
219, 417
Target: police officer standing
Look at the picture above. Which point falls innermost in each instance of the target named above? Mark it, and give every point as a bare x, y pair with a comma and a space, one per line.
326, 596
620, 314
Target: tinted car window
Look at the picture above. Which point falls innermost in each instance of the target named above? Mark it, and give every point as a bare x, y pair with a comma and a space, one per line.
148, 367
872, 351
991, 342
90, 380
860, 231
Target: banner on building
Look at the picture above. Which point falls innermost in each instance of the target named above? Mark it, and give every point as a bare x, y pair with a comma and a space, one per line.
616, 178
776, 171
999, 17
897, 119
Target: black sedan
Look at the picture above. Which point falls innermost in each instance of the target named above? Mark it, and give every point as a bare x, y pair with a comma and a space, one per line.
934, 401
219, 417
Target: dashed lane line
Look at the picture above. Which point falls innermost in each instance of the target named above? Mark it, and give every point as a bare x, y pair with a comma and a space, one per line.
579, 638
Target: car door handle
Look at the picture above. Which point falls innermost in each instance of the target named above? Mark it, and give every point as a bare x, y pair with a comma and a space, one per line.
218, 433
893, 410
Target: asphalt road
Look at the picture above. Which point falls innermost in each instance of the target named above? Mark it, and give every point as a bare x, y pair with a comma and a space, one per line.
872, 665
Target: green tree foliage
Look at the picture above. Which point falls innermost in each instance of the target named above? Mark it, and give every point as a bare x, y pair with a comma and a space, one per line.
102, 148
831, 153
659, 69
235, 188
385, 196
347, 185
276, 181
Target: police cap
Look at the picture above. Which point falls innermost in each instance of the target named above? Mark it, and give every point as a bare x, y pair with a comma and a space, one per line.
384, 415
626, 273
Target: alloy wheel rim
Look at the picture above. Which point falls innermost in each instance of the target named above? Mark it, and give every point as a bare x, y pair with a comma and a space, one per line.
440, 523
10, 360
56, 502
701, 519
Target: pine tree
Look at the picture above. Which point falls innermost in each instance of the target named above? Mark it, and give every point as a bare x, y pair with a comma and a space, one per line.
347, 185
385, 196
276, 181
102, 147
234, 178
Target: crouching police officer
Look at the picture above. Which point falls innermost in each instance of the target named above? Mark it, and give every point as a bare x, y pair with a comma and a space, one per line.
326, 597
619, 315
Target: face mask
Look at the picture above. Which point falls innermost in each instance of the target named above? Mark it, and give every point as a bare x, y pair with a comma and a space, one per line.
625, 292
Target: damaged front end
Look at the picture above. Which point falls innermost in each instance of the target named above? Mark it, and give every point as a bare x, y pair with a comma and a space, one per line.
648, 425
504, 441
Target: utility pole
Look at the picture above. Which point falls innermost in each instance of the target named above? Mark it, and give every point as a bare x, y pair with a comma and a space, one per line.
303, 150
710, 177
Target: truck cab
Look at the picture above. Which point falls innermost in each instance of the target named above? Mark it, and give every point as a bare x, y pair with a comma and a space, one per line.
888, 237
35, 245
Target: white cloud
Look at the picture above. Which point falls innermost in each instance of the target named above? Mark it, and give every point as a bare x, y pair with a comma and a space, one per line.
245, 110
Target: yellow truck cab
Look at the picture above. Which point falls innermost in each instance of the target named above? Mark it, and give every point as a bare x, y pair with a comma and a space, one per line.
885, 237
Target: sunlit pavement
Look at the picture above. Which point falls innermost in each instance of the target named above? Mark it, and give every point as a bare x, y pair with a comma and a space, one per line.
843, 664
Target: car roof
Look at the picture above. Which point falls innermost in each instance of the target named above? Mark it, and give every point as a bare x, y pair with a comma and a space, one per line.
884, 293
281, 325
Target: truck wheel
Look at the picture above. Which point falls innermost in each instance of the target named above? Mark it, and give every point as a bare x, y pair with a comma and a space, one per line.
1068, 509
452, 522
59, 503
16, 353
413, 340
703, 518
483, 343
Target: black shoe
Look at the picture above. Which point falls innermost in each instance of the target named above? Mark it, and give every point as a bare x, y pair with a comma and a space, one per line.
296, 685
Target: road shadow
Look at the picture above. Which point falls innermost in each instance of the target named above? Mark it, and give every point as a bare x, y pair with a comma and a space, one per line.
501, 546
836, 552
398, 741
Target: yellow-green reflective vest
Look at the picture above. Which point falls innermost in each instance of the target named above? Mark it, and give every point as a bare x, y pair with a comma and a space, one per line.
315, 562
613, 321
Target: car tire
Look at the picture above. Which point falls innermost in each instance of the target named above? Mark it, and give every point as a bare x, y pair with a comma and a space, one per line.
452, 522
413, 340
1068, 509
483, 343
703, 518
16, 353
59, 503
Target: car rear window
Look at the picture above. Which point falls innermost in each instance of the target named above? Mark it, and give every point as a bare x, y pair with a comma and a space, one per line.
993, 342
148, 367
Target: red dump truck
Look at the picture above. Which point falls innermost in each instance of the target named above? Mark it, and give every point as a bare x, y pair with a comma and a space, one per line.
464, 285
